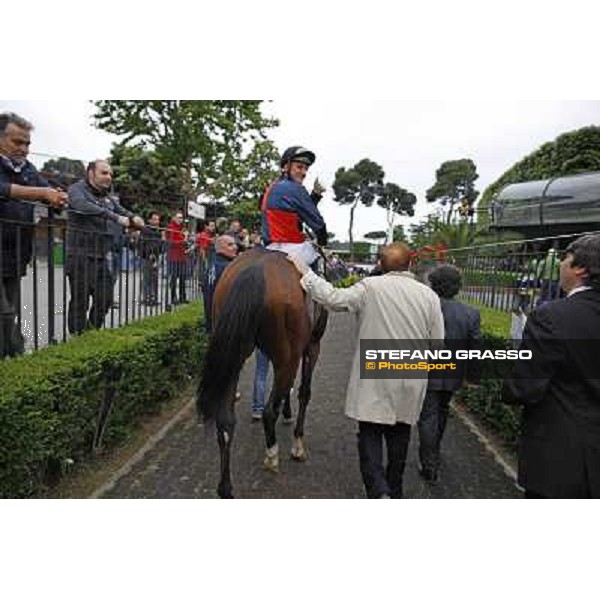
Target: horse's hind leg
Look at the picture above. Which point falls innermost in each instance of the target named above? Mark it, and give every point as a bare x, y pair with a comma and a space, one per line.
286, 413
282, 383
225, 431
225, 437
309, 360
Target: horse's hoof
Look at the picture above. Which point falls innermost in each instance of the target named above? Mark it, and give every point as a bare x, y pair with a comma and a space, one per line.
271, 462
298, 451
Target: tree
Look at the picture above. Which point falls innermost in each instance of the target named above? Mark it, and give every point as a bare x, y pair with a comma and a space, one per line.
460, 235
396, 201
454, 184
244, 185
421, 234
145, 183
63, 171
398, 235
208, 138
362, 183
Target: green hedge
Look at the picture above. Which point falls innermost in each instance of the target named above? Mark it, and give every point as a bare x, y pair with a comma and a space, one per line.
479, 277
51, 401
484, 401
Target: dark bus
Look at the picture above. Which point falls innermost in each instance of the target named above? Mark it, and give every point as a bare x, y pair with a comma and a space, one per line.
556, 206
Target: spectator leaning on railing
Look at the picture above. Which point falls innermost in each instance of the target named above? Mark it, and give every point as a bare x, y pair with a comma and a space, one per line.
19, 182
90, 244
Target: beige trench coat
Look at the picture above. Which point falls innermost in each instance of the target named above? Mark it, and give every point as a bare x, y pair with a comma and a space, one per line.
391, 306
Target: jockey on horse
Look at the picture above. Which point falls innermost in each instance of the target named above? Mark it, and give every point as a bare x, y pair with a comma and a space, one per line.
286, 204
259, 302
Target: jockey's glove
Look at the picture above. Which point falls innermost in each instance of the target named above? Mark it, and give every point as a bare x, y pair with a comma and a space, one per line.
322, 236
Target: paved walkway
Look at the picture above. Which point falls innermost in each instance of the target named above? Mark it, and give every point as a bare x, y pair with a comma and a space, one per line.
185, 463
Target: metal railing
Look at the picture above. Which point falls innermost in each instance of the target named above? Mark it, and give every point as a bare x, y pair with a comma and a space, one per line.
57, 281
511, 276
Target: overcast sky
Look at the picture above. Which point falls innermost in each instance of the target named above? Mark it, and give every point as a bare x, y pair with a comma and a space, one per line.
409, 139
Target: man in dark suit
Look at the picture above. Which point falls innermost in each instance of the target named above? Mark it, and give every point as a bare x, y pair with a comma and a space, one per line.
462, 332
559, 450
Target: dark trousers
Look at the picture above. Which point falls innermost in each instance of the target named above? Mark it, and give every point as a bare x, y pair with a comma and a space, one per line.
533, 495
150, 281
377, 480
177, 271
89, 277
11, 339
432, 423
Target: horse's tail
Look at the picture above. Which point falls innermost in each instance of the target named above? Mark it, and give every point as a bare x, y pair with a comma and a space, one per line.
233, 338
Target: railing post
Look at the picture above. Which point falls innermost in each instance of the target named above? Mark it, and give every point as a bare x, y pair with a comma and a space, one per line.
51, 300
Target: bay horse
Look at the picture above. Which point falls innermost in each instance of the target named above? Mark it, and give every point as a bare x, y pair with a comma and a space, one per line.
259, 302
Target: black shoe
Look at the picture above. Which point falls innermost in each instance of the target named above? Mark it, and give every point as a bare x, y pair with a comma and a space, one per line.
429, 475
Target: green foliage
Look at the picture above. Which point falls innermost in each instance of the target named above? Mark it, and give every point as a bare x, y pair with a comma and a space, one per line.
485, 401
246, 179
396, 201
219, 147
433, 231
421, 234
65, 166
399, 235
145, 183
50, 401
455, 183
459, 235
63, 172
488, 278
570, 153
347, 282
362, 183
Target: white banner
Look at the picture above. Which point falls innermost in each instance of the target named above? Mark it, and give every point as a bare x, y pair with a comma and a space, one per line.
196, 210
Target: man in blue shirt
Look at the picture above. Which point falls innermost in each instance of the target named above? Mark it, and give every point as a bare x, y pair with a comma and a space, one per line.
20, 187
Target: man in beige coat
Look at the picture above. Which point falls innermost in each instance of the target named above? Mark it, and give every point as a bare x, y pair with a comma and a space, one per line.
393, 306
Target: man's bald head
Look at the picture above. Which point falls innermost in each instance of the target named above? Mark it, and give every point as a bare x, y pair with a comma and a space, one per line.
395, 257
226, 246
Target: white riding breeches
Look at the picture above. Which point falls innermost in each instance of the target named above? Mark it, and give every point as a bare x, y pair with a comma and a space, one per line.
305, 251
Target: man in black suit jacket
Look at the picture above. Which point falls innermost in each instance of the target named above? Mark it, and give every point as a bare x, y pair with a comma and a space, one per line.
462, 332
559, 450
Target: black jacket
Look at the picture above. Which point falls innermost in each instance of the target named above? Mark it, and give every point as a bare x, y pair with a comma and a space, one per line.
151, 244
462, 332
16, 219
559, 449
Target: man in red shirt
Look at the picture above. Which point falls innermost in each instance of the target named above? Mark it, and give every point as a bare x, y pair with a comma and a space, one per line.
205, 238
176, 236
